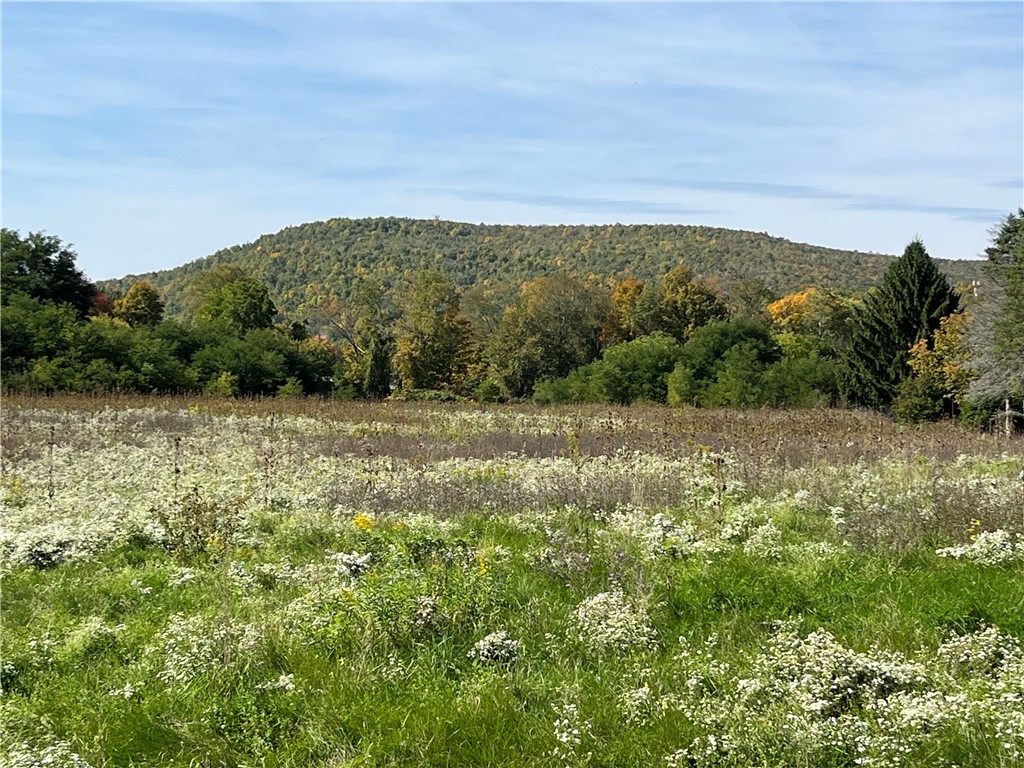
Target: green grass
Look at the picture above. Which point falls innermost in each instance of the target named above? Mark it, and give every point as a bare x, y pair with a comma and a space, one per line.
283, 659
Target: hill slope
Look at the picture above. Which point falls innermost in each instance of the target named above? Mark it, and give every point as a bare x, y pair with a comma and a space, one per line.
326, 258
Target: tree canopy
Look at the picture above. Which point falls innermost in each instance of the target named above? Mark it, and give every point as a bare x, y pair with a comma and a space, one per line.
42, 267
671, 334
554, 327
996, 332
302, 265
243, 304
140, 306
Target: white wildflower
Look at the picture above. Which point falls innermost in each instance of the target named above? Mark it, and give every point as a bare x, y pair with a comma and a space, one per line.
497, 648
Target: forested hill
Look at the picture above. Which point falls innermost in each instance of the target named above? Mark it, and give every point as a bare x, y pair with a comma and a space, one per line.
302, 263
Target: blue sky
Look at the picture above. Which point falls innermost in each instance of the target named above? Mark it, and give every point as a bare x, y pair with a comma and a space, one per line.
149, 135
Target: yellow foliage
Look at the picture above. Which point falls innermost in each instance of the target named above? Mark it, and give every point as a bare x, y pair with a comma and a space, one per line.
947, 358
789, 312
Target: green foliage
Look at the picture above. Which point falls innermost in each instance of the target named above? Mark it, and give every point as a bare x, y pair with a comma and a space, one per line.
722, 364
940, 374
920, 398
197, 527
366, 328
488, 391
32, 329
546, 342
634, 371
304, 264
376, 384
738, 363
637, 370
1007, 240
802, 379
157, 364
291, 388
261, 362
224, 384
750, 297
554, 327
41, 267
432, 348
906, 308
820, 319
679, 306
140, 306
1009, 329
199, 284
244, 305
47, 349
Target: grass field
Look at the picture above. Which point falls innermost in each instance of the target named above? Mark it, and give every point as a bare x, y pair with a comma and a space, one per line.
203, 582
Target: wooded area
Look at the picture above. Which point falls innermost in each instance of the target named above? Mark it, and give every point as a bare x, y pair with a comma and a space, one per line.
303, 265
557, 314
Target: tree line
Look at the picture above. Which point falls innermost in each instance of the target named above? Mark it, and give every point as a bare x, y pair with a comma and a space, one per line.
913, 345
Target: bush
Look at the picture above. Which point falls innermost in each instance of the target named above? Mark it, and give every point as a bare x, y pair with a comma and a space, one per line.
723, 365
919, 398
488, 391
635, 371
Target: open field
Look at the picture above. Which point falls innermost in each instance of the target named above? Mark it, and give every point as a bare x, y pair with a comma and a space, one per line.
203, 582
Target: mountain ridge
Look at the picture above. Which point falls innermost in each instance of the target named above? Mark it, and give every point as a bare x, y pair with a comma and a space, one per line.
303, 263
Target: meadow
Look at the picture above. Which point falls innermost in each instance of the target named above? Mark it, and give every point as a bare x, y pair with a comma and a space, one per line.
204, 582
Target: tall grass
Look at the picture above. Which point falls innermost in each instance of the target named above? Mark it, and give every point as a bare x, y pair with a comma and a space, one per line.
207, 582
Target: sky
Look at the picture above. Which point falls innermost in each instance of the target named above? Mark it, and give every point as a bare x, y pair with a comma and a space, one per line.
148, 135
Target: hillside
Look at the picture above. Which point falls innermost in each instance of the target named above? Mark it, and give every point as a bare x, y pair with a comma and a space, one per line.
305, 262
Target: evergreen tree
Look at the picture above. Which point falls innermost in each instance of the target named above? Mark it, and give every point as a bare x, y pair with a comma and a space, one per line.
1007, 240
909, 304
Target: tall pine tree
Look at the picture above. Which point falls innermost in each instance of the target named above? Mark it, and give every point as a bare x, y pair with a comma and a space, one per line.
907, 307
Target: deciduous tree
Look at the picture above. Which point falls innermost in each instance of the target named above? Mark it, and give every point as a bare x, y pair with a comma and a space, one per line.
243, 304
42, 267
996, 332
553, 327
940, 373
141, 306
679, 306
432, 345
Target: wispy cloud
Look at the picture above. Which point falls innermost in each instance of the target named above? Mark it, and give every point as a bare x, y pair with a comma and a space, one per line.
579, 203
854, 125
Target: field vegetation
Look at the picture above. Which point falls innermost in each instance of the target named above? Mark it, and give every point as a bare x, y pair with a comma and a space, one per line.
222, 582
